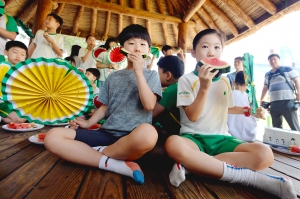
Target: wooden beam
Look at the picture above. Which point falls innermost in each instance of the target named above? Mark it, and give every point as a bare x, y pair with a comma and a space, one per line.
28, 11
267, 5
239, 13
43, 9
107, 22
60, 8
76, 20
121, 2
178, 8
100, 5
182, 36
148, 26
133, 3
8, 2
211, 6
175, 32
160, 6
170, 8
207, 18
133, 20
200, 25
192, 10
147, 5
165, 32
120, 23
94, 21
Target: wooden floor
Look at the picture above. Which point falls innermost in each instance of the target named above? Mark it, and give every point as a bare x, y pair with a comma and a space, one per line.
29, 171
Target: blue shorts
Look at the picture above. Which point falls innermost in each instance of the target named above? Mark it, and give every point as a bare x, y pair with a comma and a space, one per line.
93, 138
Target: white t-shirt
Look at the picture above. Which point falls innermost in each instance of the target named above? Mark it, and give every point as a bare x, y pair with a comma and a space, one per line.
213, 119
241, 127
43, 47
90, 62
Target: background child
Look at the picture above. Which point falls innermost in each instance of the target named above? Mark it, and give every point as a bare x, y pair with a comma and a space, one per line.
241, 127
128, 98
86, 53
8, 29
168, 51
71, 60
170, 68
15, 51
204, 146
74, 53
93, 74
48, 43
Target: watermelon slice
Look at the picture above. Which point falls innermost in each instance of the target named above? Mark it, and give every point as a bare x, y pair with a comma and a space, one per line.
80, 69
115, 56
97, 104
125, 52
222, 66
41, 135
294, 148
96, 52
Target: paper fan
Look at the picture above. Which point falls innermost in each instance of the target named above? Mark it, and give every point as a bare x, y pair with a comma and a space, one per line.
96, 51
4, 67
115, 56
155, 51
80, 69
25, 28
96, 103
47, 91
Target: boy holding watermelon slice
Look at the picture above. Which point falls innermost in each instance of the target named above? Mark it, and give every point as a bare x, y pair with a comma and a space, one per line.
204, 146
128, 98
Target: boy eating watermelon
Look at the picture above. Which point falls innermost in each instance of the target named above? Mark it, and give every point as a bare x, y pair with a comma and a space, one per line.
128, 98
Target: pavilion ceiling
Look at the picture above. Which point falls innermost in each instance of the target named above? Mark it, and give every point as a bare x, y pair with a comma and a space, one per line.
166, 20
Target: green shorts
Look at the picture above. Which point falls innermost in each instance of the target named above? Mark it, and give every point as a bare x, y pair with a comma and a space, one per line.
4, 109
214, 144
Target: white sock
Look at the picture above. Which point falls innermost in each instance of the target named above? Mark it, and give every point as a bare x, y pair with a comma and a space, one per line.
177, 175
279, 186
99, 148
126, 168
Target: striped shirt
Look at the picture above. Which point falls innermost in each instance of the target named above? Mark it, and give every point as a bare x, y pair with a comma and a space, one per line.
279, 89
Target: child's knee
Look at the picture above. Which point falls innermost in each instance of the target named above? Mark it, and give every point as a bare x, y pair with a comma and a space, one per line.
263, 157
147, 135
50, 138
172, 144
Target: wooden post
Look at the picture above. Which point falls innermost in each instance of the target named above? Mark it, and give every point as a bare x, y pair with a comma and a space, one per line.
165, 32
94, 21
108, 16
182, 36
120, 23
175, 32
43, 9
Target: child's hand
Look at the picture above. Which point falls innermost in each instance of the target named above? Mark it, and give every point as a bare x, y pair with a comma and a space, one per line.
113, 66
260, 113
79, 122
47, 37
205, 76
137, 60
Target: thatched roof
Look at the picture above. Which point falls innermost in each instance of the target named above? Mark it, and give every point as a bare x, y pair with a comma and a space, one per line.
166, 20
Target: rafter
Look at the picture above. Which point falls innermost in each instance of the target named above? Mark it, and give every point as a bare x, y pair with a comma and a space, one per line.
160, 6
148, 26
267, 5
147, 5
170, 8
94, 21
133, 5
165, 32
107, 22
200, 24
120, 23
43, 9
100, 5
211, 6
207, 18
192, 10
76, 20
60, 8
239, 13
175, 32
177, 6
29, 11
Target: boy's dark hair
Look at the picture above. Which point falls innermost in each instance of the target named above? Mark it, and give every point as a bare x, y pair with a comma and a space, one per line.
57, 18
75, 50
134, 31
273, 55
206, 32
11, 44
239, 78
111, 39
94, 71
87, 37
238, 58
70, 59
165, 48
173, 64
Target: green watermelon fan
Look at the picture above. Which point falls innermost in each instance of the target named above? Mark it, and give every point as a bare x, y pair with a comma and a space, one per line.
222, 66
96, 51
116, 56
25, 28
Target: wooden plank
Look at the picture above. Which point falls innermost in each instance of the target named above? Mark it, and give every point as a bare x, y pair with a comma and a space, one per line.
101, 184
22, 180
196, 5
13, 150
28, 11
61, 182
287, 160
267, 5
287, 169
5, 134
10, 164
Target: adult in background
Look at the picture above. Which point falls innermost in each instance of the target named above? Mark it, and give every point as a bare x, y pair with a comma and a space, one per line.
279, 82
239, 66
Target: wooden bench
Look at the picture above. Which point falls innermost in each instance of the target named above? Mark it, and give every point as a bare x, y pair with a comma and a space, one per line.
29, 171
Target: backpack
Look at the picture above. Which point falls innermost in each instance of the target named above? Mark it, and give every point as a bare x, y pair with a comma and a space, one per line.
291, 85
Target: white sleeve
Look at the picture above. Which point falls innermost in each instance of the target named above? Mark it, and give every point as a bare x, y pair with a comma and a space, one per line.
185, 94
81, 53
61, 43
35, 39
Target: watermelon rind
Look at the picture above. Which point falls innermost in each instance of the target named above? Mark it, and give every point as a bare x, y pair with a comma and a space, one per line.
95, 50
222, 66
125, 52
117, 51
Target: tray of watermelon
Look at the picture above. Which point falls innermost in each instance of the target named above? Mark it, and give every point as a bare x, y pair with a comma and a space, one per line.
22, 127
